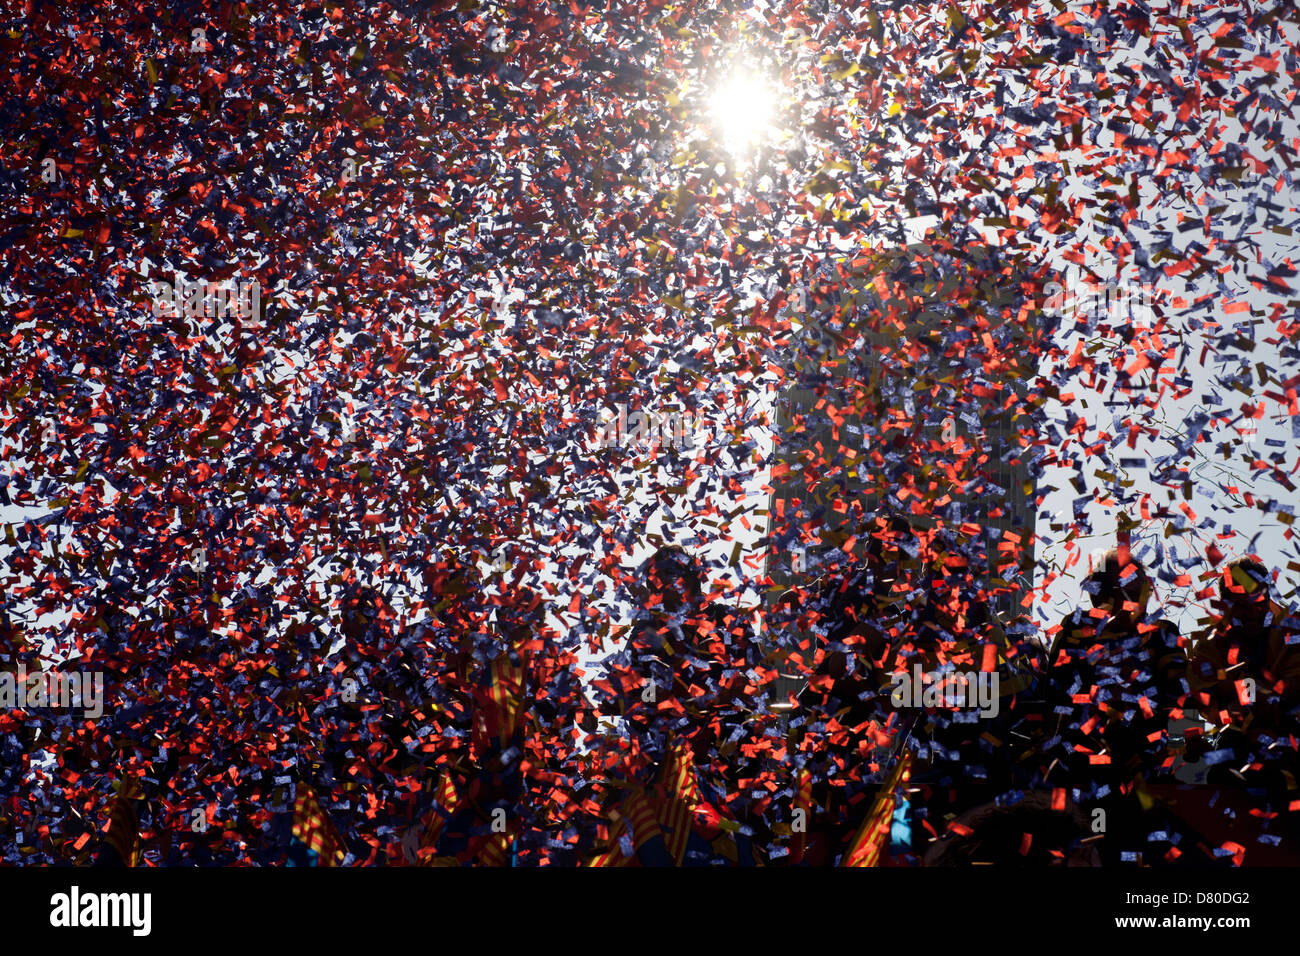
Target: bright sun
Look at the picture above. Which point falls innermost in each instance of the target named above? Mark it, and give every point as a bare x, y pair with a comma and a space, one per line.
742, 107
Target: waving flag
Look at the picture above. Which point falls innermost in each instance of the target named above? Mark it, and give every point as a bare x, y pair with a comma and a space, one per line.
866, 848
647, 839
315, 842
122, 832
681, 797
448, 802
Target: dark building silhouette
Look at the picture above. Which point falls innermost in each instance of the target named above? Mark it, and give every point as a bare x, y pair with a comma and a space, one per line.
912, 370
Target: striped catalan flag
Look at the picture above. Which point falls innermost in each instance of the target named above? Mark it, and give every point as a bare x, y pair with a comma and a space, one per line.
640, 814
873, 837
313, 832
507, 692
448, 802
122, 832
495, 850
681, 795
612, 855
500, 705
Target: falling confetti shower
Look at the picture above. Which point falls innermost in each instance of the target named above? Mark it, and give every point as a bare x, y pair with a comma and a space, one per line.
316, 318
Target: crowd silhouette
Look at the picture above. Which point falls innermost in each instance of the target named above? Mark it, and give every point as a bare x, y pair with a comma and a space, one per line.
474, 737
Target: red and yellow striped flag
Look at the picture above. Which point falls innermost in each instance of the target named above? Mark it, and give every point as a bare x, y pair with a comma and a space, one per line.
681, 797
122, 831
313, 829
612, 855
496, 850
637, 811
873, 837
448, 802
507, 691
500, 709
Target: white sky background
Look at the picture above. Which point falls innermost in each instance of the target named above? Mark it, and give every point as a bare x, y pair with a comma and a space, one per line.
1224, 517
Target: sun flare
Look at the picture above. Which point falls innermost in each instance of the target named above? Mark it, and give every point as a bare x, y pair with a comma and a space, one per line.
743, 107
